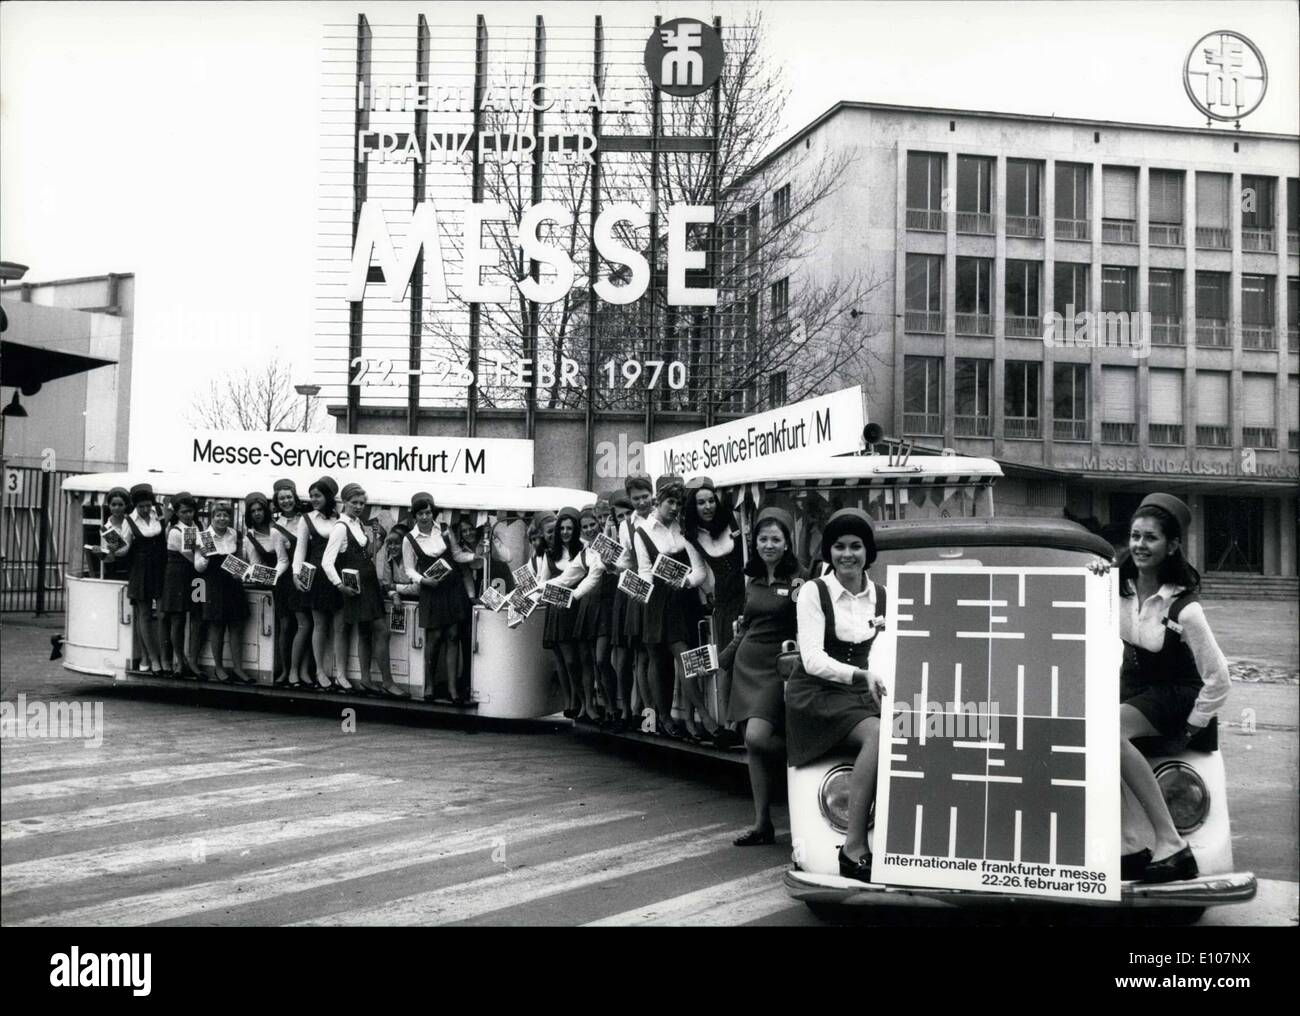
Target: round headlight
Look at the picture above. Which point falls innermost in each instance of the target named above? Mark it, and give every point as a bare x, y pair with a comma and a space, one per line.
834, 798
1185, 794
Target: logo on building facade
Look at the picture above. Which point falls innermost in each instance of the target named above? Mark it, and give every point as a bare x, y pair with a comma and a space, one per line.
1225, 76
684, 57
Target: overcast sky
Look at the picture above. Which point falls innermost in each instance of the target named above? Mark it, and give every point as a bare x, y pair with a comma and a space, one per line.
179, 141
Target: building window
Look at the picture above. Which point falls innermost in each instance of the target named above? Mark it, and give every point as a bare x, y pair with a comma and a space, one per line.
974, 296
1119, 204
926, 178
1118, 288
1213, 213
1166, 407
1293, 314
1024, 182
776, 389
1293, 215
1023, 289
780, 205
1293, 408
1259, 395
1119, 405
923, 395
1166, 296
1257, 210
1070, 292
1213, 424
972, 418
1166, 209
923, 295
1021, 417
1212, 309
1072, 215
1257, 330
974, 194
1070, 401
781, 305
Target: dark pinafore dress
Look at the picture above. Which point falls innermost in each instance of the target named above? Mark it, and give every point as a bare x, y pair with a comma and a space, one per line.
1163, 686
287, 597
447, 603
672, 615
620, 619
369, 605
224, 601
148, 564
586, 620
560, 623
757, 690
608, 596
728, 588
820, 713
321, 595
118, 568
178, 580
262, 555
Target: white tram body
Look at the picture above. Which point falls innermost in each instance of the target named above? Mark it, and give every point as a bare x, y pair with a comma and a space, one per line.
511, 676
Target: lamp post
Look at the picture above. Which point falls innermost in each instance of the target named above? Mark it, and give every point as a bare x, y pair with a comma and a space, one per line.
306, 391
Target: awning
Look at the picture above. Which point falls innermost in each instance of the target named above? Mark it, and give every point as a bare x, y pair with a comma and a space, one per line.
28, 367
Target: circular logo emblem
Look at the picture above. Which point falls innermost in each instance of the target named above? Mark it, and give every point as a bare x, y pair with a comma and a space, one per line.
684, 57
1225, 75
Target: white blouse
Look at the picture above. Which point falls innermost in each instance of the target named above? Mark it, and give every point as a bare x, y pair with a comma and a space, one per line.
668, 540
338, 540
570, 572
151, 528
278, 545
854, 613
315, 522
124, 531
226, 543
176, 540
433, 545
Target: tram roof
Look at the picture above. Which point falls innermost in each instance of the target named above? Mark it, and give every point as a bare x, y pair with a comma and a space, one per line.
860, 470
379, 490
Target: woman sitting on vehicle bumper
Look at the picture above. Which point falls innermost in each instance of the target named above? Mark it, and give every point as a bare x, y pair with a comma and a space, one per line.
832, 701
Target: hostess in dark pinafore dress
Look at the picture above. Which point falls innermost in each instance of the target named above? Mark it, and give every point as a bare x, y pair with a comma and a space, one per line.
672, 615
728, 589
820, 713
178, 580
262, 555
148, 564
625, 617
1163, 686
446, 603
559, 625
224, 600
321, 595
288, 598
756, 687
586, 621
369, 605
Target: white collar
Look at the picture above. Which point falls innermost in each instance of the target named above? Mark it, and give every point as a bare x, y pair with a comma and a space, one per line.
836, 590
1168, 592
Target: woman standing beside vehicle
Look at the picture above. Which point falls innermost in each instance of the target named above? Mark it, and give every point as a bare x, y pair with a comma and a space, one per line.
832, 701
178, 599
225, 607
318, 596
144, 586
444, 607
292, 615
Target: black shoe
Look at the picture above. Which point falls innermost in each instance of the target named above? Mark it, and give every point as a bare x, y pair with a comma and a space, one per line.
858, 870
1174, 868
725, 738
1131, 866
756, 838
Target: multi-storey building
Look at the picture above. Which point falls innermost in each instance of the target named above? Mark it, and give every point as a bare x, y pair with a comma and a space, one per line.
1170, 256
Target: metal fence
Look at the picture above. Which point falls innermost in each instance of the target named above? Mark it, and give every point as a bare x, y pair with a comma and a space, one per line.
33, 527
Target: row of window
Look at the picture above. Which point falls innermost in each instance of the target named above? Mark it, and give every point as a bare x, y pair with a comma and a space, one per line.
1073, 404
1023, 285
928, 200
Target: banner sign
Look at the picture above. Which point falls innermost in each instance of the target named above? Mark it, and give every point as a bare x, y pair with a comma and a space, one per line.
999, 751
304, 457
728, 453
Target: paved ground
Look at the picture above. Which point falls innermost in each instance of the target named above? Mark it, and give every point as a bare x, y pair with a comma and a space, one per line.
196, 812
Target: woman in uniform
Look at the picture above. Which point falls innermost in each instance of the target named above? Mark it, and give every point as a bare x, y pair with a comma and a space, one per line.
292, 615
225, 607
444, 607
581, 570
1175, 678
618, 705
350, 549
832, 701
318, 595
757, 694
711, 528
630, 658
144, 586
263, 545
115, 537
178, 599
563, 548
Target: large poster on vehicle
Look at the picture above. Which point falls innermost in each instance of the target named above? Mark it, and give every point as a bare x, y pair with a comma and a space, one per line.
999, 750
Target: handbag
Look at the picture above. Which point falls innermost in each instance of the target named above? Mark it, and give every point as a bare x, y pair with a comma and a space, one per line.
788, 659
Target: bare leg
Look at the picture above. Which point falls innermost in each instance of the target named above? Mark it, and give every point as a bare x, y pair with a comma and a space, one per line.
607, 676
641, 672
379, 638
569, 652
432, 651
198, 631
342, 638
217, 640
322, 629
151, 652
587, 659
452, 660
286, 627
764, 751
862, 784
691, 690
235, 632
1138, 776
301, 641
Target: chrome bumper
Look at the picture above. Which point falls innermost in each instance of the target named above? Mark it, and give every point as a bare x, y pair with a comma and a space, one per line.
1206, 891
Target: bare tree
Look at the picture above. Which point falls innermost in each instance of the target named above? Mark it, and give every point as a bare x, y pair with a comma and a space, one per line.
255, 398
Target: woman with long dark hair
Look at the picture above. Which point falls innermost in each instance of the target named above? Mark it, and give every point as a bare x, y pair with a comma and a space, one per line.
178, 600
1175, 678
292, 615
584, 576
148, 566
710, 526
618, 713
563, 550
630, 659
832, 701
757, 694
114, 550
318, 595
444, 607
263, 544
225, 607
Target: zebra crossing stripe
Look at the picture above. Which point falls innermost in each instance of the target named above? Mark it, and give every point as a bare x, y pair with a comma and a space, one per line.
81, 758
726, 904
189, 804
517, 888
211, 898
223, 843
108, 783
